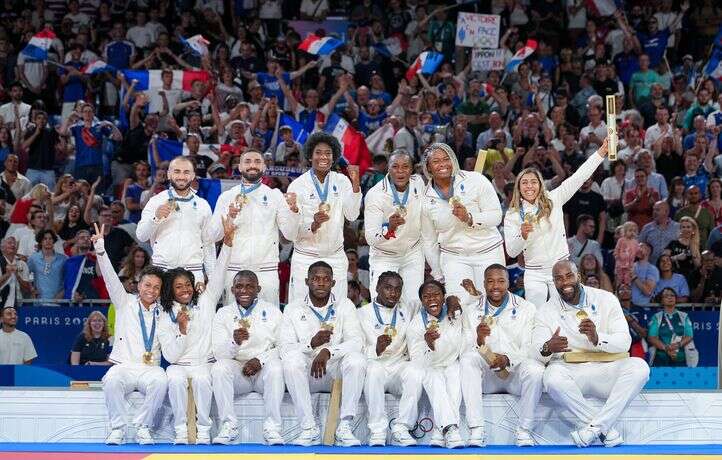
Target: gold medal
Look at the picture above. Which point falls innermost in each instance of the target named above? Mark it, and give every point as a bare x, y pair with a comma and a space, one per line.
244, 323
455, 201
324, 207
433, 325
241, 200
530, 219
148, 358
390, 331
173, 205
489, 320
582, 315
187, 311
327, 326
401, 211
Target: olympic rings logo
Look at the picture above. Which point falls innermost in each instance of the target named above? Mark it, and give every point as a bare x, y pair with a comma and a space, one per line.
420, 429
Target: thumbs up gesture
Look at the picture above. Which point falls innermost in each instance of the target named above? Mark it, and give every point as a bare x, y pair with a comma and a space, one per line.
558, 343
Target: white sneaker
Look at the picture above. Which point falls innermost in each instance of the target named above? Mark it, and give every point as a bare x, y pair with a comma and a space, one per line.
400, 435
437, 439
272, 437
523, 438
143, 437
203, 437
453, 438
377, 438
344, 435
586, 436
308, 437
115, 438
477, 437
227, 435
612, 439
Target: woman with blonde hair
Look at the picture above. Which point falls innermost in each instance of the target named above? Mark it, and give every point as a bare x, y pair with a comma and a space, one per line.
685, 252
92, 346
66, 193
534, 224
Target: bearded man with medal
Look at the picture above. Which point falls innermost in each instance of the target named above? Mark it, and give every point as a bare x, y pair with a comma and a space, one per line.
320, 340
458, 220
245, 344
136, 351
384, 323
498, 327
435, 342
259, 212
392, 225
325, 199
177, 224
184, 333
584, 339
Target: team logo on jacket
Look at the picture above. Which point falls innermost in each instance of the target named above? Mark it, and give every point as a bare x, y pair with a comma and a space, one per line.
303, 317
265, 200
263, 314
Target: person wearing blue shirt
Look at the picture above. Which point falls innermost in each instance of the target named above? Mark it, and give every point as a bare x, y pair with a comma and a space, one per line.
269, 80
645, 277
626, 62
669, 279
72, 80
48, 267
119, 52
654, 42
695, 175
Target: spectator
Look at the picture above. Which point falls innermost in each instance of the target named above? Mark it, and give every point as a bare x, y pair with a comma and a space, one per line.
655, 180
15, 111
659, 131
612, 190
677, 198
642, 80
92, 346
18, 184
625, 253
72, 80
26, 235
685, 250
713, 203
16, 347
670, 333
72, 224
592, 135
639, 201
134, 188
669, 279
136, 260
82, 277
14, 276
66, 193
703, 219
408, 137
589, 266
582, 242
356, 274
695, 174
47, 267
117, 240
589, 202
636, 319
709, 286
42, 143
645, 277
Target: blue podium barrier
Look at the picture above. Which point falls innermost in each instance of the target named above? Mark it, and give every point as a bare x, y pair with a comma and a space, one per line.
49, 375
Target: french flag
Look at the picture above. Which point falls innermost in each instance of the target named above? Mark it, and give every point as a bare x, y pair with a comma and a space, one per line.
197, 43
427, 62
211, 189
320, 46
714, 66
151, 79
38, 46
353, 145
299, 134
392, 46
521, 55
602, 7
97, 66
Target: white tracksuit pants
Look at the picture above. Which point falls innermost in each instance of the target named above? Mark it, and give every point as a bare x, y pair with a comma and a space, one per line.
410, 266
202, 395
267, 279
401, 379
443, 387
300, 383
456, 268
617, 382
525, 381
297, 288
538, 286
229, 381
123, 379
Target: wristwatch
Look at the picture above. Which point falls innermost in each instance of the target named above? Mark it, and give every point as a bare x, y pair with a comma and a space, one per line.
545, 350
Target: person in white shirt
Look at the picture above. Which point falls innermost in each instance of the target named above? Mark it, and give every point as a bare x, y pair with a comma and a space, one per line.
325, 199
136, 349
15, 278
184, 333
16, 347
435, 342
142, 34
245, 338
258, 212
588, 320
392, 225
459, 219
384, 323
16, 108
176, 223
534, 224
591, 136
658, 131
320, 335
500, 322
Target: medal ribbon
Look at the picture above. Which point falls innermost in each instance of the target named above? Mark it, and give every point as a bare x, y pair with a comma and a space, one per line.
322, 195
395, 194
378, 316
248, 311
147, 340
442, 195
499, 309
172, 314
425, 316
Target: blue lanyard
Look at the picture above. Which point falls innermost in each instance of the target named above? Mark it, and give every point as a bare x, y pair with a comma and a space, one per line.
329, 313
378, 316
395, 194
442, 195
499, 309
248, 311
425, 316
147, 341
322, 195
582, 300
179, 198
172, 315
246, 191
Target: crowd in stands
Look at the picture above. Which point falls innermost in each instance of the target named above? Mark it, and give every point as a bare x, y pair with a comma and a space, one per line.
74, 146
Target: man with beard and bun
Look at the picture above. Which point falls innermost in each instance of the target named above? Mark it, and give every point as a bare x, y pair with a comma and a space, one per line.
244, 343
136, 351
435, 342
325, 199
588, 320
320, 336
392, 215
258, 212
384, 323
458, 220
501, 322
184, 333
177, 223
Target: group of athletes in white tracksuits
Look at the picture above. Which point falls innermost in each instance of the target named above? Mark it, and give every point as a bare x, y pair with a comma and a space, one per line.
399, 344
